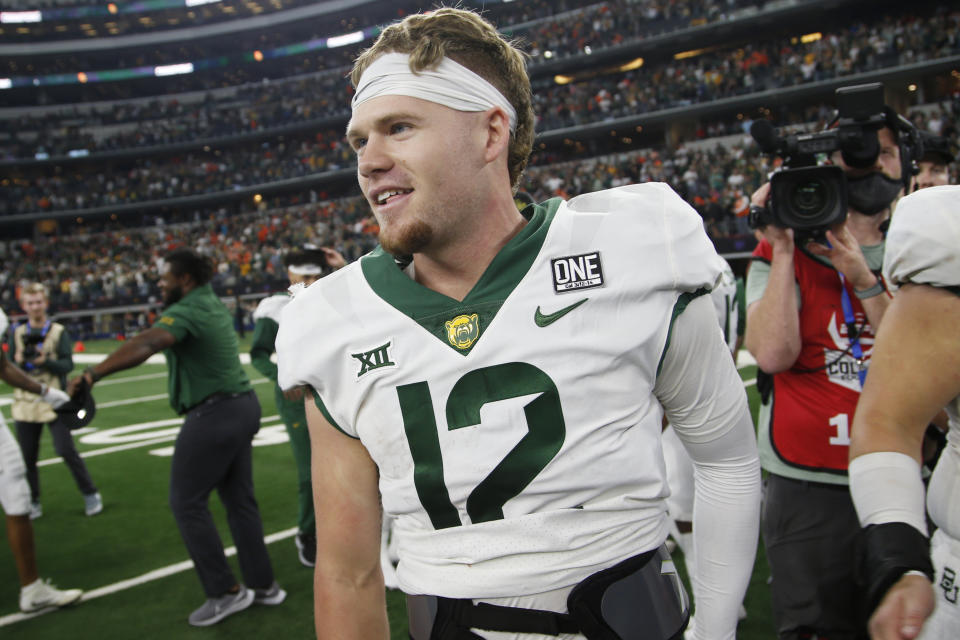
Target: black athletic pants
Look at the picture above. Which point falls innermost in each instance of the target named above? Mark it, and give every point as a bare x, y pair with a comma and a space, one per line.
810, 531
28, 435
214, 451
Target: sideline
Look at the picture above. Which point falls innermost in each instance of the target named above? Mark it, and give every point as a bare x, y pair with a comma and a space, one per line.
129, 583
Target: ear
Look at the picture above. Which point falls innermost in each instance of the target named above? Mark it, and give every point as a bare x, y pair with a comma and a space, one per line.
497, 132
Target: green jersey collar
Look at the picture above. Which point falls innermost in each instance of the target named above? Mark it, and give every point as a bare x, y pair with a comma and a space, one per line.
460, 324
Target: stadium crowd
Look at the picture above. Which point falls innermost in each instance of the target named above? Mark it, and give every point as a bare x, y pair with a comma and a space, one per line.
885, 42
677, 83
115, 265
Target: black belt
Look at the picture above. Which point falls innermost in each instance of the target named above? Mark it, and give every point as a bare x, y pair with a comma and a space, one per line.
213, 398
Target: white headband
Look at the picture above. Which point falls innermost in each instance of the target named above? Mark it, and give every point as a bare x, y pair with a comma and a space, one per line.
450, 84
305, 269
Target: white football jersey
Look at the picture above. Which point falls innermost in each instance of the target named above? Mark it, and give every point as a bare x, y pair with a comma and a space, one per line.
271, 307
516, 432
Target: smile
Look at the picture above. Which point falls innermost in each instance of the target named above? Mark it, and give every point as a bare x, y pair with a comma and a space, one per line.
384, 196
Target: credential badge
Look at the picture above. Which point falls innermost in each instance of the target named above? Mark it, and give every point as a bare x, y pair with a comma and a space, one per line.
573, 273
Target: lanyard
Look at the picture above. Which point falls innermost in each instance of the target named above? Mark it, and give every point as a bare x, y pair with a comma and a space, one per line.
852, 333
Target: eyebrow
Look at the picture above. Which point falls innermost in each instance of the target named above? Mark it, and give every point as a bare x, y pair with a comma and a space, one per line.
382, 121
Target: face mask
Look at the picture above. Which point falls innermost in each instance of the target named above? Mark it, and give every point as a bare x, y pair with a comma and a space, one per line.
872, 193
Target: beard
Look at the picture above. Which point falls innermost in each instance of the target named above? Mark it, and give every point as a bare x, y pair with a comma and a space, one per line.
172, 296
408, 239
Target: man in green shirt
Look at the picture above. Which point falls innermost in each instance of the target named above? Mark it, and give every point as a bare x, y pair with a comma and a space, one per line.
304, 266
208, 386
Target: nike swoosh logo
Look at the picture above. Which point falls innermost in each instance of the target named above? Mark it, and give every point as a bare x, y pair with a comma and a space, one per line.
544, 319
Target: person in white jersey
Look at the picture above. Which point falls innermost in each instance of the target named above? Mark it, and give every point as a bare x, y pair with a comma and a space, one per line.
915, 373
35, 594
498, 378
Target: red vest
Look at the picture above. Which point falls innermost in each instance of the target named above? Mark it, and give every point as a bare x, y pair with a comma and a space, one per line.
813, 406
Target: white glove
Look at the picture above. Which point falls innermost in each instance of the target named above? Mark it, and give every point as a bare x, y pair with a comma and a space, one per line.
55, 397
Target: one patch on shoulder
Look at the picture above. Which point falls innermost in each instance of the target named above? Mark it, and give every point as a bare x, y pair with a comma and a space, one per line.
574, 273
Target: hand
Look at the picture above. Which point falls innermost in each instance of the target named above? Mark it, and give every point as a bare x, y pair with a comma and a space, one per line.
779, 238
40, 359
903, 610
74, 384
846, 256
18, 356
56, 398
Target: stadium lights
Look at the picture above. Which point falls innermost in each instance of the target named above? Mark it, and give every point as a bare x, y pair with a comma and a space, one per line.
683, 55
173, 69
636, 63
19, 17
5, 83
811, 37
912, 87
197, 3
344, 40
563, 79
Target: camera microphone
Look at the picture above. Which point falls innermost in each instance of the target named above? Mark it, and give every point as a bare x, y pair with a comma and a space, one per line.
765, 135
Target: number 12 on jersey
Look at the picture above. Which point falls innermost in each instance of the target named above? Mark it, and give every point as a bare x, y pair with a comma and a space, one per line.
546, 431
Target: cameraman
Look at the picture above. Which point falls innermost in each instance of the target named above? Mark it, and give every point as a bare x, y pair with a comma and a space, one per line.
811, 312
43, 349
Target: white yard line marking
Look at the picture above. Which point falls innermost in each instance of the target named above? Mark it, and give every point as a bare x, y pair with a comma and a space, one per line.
150, 576
169, 437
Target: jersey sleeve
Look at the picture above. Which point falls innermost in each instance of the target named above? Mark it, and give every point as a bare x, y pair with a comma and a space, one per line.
263, 345
4, 324
677, 253
307, 346
923, 240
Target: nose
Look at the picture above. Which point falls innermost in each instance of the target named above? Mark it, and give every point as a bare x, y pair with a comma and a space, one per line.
373, 158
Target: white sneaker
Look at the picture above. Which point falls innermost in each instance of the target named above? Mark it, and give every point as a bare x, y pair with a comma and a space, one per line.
92, 504
36, 510
41, 594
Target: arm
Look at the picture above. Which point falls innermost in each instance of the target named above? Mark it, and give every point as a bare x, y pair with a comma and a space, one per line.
772, 334
130, 354
262, 347
846, 256
705, 401
349, 595
913, 374
13, 375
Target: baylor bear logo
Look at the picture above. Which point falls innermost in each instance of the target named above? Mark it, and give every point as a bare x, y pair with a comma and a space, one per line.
463, 330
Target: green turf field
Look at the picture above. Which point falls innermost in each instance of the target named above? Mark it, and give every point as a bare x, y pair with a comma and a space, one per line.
130, 559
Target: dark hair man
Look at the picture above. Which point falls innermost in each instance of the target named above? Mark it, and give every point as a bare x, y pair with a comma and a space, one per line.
208, 386
500, 381
304, 267
812, 309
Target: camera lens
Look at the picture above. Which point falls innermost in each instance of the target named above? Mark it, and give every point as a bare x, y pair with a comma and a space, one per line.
809, 198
